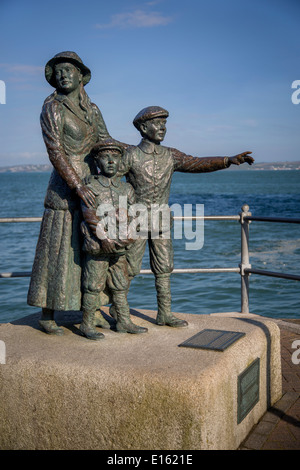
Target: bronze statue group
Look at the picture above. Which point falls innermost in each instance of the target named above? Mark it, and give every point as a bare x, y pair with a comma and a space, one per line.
77, 266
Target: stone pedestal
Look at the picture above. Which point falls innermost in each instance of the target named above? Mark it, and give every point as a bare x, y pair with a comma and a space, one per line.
134, 392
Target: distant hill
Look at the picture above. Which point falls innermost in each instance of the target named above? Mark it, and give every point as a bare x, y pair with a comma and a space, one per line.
268, 166
25, 168
256, 167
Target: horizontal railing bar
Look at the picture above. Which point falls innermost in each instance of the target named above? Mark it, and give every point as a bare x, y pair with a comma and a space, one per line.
192, 217
190, 270
197, 270
15, 274
207, 217
145, 271
272, 274
273, 219
20, 219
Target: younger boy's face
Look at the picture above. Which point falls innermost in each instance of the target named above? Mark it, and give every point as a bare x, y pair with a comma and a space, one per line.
108, 162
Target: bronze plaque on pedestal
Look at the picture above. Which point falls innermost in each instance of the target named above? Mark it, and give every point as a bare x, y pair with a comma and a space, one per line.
248, 389
217, 340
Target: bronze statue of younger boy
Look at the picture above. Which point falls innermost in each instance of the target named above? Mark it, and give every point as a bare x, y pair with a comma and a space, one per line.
105, 261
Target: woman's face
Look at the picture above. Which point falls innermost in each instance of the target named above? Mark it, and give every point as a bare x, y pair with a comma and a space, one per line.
68, 77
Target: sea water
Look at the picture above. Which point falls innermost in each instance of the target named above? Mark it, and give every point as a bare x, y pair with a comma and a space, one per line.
273, 246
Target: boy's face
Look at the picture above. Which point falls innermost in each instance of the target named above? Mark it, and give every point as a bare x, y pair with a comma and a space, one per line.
154, 129
108, 162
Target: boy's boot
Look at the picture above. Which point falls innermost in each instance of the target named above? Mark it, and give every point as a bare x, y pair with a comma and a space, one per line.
164, 314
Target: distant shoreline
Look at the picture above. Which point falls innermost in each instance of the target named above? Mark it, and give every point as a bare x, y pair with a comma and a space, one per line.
26, 169
273, 166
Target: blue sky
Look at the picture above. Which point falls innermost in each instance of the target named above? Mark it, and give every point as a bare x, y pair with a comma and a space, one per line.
223, 69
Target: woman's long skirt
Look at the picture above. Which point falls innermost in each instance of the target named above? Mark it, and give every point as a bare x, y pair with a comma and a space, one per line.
56, 272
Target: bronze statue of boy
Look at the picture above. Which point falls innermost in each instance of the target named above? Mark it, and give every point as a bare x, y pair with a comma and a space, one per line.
149, 168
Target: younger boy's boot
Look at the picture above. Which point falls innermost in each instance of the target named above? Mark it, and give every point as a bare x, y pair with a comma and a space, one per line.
100, 321
87, 327
122, 315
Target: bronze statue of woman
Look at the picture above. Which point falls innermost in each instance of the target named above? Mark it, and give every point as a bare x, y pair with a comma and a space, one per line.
71, 125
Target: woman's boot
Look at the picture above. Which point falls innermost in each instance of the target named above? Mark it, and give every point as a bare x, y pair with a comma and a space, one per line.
48, 324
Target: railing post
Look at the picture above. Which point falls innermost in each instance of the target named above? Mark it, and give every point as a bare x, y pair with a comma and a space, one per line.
244, 259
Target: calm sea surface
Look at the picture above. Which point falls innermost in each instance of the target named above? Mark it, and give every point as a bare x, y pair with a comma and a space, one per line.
273, 246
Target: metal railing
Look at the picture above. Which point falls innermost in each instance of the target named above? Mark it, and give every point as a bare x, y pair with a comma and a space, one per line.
244, 268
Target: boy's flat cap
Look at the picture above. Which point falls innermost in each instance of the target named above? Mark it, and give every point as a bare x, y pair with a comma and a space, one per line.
150, 112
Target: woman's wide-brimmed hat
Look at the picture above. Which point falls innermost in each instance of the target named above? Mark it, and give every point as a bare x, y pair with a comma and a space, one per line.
67, 56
